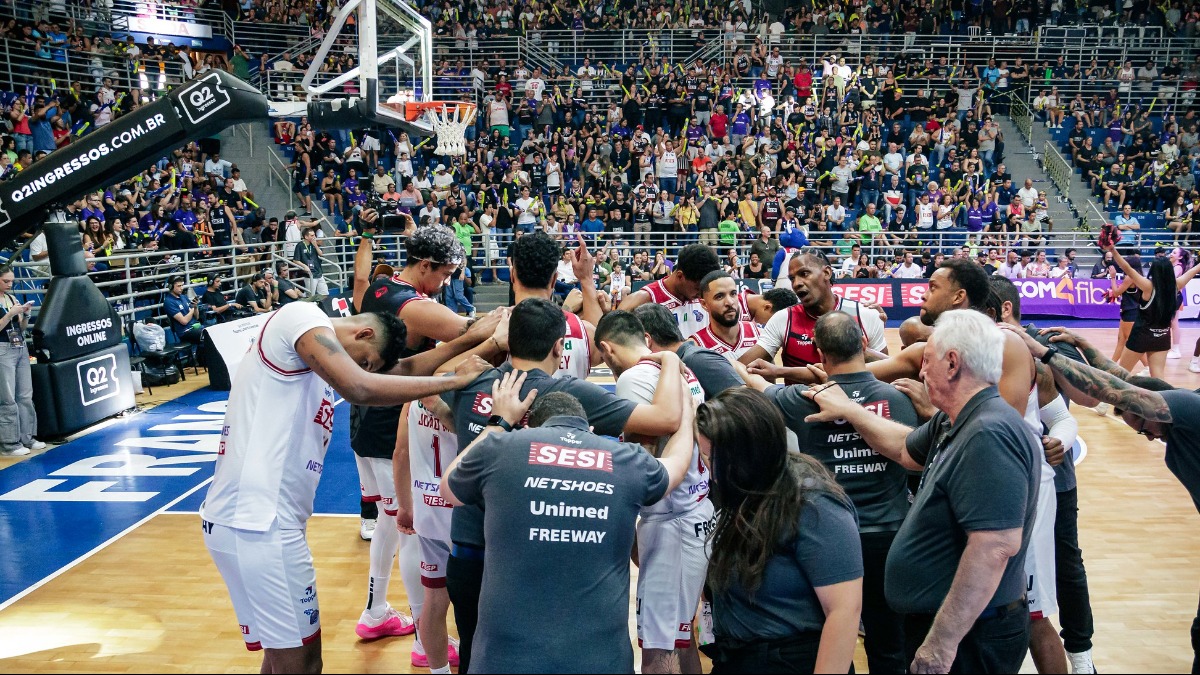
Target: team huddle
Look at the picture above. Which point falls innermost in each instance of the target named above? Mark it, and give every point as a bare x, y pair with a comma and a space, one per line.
919, 492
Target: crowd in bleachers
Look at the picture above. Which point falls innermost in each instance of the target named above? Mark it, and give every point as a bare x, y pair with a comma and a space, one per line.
1142, 164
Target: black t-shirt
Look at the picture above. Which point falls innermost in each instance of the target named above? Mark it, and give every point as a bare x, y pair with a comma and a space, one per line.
877, 486
1183, 439
248, 295
472, 406
989, 445
713, 371
285, 285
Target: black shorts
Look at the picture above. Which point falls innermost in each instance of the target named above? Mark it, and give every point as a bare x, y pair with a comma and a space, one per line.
1144, 340
1129, 315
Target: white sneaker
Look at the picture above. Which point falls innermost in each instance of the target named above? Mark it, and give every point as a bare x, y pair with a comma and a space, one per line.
366, 528
1102, 409
19, 451
1173, 354
1081, 662
37, 445
1195, 365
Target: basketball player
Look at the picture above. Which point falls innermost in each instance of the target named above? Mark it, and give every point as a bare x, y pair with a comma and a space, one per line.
672, 534
380, 434
534, 270
760, 307
791, 331
432, 446
679, 291
726, 331
535, 338
276, 431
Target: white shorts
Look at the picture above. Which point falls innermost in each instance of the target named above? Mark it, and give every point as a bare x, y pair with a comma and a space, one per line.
435, 553
271, 582
376, 483
673, 562
370, 144
1039, 556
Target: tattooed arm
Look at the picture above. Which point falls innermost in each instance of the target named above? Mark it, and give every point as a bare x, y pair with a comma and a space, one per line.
321, 351
1099, 385
1097, 360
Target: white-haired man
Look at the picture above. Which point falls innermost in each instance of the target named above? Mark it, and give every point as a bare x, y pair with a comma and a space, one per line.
956, 568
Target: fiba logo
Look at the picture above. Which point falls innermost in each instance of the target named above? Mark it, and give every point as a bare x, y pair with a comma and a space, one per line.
203, 98
98, 379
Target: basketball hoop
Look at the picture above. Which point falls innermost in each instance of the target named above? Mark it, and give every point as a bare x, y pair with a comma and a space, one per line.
449, 120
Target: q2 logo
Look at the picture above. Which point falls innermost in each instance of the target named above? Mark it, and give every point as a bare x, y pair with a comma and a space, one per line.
98, 379
203, 98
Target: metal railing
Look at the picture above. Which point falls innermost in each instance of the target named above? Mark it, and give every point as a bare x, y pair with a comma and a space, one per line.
22, 65
135, 281
1058, 168
220, 23
1021, 118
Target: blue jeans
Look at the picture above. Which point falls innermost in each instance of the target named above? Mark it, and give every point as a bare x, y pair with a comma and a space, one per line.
668, 184
867, 197
456, 298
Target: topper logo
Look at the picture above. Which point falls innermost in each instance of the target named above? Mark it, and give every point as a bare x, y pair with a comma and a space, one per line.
545, 454
203, 98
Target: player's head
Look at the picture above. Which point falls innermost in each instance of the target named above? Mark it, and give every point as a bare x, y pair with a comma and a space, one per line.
620, 338
375, 340
719, 297
660, 326
554, 404
1004, 302
535, 258
774, 300
839, 338
536, 330
693, 263
811, 277
434, 252
956, 284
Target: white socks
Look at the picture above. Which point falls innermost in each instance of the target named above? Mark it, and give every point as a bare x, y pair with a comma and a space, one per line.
384, 543
410, 571
443, 669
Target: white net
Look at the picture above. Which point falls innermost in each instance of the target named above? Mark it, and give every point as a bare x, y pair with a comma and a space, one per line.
450, 124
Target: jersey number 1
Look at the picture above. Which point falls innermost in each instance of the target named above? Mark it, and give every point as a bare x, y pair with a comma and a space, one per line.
437, 456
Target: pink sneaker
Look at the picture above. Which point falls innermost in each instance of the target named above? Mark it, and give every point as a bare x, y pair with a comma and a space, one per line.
392, 624
420, 660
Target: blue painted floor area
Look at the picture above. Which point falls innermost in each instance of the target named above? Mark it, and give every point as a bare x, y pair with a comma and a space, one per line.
64, 503
67, 502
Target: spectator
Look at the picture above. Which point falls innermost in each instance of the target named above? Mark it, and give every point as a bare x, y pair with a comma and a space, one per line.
18, 419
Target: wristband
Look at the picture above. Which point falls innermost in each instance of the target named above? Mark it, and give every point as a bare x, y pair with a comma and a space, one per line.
367, 235
1050, 352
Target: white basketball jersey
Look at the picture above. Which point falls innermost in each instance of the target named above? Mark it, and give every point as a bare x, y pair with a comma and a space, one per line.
277, 429
577, 349
668, 165
638, 384
748, 333
431, 449
689, 314
1033, 418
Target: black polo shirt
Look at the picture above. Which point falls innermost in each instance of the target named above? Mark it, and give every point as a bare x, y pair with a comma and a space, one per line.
981, 474
1183, 439
561, 504
714, 372
472, 406
877, 486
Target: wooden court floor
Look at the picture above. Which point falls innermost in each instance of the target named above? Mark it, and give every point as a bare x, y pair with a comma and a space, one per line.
153, 602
